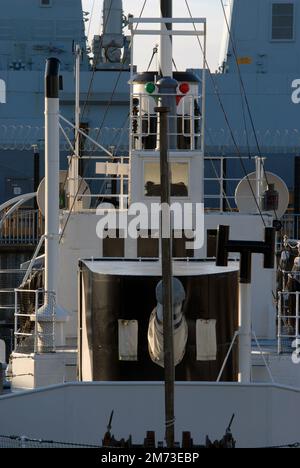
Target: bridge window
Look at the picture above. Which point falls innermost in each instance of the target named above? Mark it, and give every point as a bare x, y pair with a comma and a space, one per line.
283, 21
179, 182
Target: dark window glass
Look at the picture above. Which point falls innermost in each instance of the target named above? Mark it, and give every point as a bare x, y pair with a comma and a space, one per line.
283, 21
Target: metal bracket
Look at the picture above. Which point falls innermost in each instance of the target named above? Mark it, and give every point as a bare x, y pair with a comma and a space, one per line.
245, 249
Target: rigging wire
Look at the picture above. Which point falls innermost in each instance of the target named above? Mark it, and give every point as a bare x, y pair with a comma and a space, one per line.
219, 179
103, 120
217, 92
94, 69
241, 78
154, 53
244, 94
91, 16
119, 77
89, 88
245, 124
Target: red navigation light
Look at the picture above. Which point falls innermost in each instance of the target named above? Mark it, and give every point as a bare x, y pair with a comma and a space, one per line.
184, 88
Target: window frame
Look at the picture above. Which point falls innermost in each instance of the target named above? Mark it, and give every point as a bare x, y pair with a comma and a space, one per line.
172, 161
294, 21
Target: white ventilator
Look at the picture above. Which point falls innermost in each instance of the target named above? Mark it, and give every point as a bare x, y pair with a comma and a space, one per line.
155, 329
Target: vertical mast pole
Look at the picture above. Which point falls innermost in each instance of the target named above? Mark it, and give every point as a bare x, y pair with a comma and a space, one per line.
166, 52
51, 174
167, 139
166, 69
36, 182
167, 275
74, 169
77, 109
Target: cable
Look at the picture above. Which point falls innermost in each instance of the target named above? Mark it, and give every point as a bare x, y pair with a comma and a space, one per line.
240, 78
118, 78
245, 94
290, 446
95, 62
224, 194
245, 124
100, 128
90, 86
90, 22
49, 442
155, 51
227, 122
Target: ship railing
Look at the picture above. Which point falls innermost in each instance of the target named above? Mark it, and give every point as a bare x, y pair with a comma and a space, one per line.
24, 442
144, 121
283, 277
108, 182
288, 321
23, 227
32, 332
220, 188
9, 280
291, 226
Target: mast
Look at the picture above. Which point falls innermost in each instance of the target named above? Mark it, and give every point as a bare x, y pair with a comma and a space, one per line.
166, 49
167, 275
74, 166
51, 174
167, 110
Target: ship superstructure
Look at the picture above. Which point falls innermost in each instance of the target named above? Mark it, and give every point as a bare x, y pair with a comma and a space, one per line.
91, 310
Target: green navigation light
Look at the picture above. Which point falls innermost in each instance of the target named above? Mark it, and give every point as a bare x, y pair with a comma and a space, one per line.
150, 88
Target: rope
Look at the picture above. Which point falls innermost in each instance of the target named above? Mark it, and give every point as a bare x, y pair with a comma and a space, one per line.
291, 446
50, 442
23, 440
170, 423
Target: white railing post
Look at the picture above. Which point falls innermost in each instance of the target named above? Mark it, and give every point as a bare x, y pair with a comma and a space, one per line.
36, 308
279, 322
221, 184
53, 301
122, 188
297, 314
16, 320
245, 333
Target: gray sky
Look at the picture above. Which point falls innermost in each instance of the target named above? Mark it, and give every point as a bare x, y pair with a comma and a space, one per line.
186, 50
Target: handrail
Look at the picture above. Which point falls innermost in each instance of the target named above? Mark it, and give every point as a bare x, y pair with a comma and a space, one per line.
10, 212
31, 264
290, 319
40, 333
24, 197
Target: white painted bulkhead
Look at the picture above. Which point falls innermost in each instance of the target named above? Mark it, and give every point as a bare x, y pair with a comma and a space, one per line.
81, 242
265, 415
